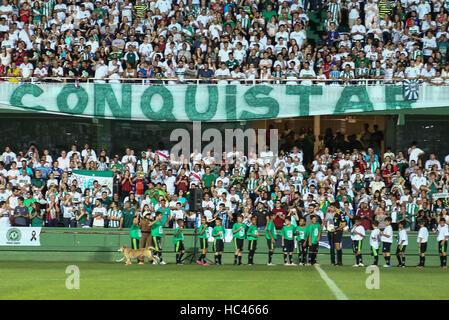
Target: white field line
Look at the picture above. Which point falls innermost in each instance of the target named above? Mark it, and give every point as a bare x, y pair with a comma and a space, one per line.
154, 279
331, 284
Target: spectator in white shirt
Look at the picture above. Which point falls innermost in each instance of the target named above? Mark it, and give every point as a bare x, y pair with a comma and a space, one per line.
222, 74
101, 71
432, 162
418, 181
40, 71
63, 161
414, 153
27, 69
358, 31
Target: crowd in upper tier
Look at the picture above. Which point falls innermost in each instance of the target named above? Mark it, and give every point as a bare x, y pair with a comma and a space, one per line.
225, 41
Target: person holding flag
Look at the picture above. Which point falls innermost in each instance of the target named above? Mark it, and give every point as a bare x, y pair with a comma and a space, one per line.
162, 153
195, 175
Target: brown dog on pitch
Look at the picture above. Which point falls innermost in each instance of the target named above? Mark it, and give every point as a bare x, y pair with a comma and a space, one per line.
129, 254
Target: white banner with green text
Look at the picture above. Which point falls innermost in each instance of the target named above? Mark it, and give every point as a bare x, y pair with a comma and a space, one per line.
215, 102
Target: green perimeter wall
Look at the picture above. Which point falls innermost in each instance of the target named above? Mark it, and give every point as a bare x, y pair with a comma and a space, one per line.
64, 244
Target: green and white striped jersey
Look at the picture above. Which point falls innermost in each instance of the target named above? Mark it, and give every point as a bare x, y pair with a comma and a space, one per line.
417, 53
334, 8
361, 72
245, 22
377, 72
347, 74
411, 208
117, 214
47, 8
252, 184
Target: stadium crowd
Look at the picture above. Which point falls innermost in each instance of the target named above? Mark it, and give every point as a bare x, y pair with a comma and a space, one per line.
224, 41
37, 188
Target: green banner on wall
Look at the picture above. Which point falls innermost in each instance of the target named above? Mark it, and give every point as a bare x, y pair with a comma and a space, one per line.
211, 102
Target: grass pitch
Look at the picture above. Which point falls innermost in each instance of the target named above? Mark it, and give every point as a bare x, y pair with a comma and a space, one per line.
100, 280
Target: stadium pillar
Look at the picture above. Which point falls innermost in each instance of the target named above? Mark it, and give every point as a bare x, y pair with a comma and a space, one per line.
104, 133
316, 131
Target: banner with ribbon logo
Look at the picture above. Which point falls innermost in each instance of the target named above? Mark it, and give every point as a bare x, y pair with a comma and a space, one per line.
227, 236
20, 236
86, 179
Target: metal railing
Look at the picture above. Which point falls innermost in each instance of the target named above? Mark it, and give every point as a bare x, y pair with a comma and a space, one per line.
177, 81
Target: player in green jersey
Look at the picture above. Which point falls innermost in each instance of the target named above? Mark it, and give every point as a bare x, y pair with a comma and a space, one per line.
252, 235
157, 232
218, 234
178, 241
314, 237
136, 235
238, 232
203, 236
288, 241
302, 234
270, 235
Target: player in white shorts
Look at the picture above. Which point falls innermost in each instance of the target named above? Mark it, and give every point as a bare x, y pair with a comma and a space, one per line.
386, 237
443, 235
374, 242
357, 234
423, 236
402, 244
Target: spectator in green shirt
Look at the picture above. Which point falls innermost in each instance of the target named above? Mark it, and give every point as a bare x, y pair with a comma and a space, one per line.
231, 63
267, 14
361, 58
38, 181
165, 212
105, 200
443, 46
29, 201
208, 178
131, 56
37, 218
404, 216
82, 217
100, 12
116, 164
229, 21
128, 215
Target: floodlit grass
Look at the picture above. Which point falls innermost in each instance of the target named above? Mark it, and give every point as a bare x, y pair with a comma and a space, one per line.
100, 280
